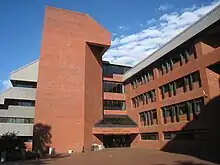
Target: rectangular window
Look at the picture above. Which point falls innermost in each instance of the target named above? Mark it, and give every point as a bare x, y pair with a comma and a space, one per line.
174, 88
169, 135
162, 92
16, 120
152, 96
185, 80
170, 86
198, 104
26, 84
179, 83
139, 81
196, 78
182, 109
113, 87
149, 136
26, 103
110, 69
134, 102
114, 105
142, 117
190, 82
179, 135
154, 114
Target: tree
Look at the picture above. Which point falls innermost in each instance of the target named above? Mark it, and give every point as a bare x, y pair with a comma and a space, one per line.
10, 142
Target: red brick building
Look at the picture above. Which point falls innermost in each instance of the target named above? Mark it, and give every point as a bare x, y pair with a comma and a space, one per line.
161, 103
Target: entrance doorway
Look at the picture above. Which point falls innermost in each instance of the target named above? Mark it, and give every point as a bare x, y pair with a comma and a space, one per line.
116, 141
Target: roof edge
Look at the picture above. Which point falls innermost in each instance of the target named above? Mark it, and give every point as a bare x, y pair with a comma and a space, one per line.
24, 66
158, 53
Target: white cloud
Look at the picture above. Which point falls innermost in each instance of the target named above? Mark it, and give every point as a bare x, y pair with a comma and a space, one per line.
133, 48
114, 34
152, 21
123, 27
5, 84
165, 7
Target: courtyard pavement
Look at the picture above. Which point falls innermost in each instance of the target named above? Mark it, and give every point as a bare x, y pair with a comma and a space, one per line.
121, 156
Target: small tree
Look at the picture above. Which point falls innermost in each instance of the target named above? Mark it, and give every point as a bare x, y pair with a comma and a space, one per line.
10, 142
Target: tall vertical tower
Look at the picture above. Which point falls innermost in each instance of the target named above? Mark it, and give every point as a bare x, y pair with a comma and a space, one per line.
69, 90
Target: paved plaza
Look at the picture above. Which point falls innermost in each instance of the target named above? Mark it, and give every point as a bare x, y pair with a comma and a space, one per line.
122, 156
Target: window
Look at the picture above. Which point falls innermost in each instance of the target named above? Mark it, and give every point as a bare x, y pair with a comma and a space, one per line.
134, 102
166, 111
175, 59
168, 88
16, 120
142, 117
148, 117
182, 109
142, 78
179, 83
154, 114
169, 135
149, 136
191, 82
109, 69
27, 103
144, 98
196, 78
114, 105
198, 104
186, 135
113, 87
186, 82
179, 135
25, 84
152, 96
201, 134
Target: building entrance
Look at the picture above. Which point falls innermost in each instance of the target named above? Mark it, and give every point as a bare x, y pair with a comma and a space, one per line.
116, 141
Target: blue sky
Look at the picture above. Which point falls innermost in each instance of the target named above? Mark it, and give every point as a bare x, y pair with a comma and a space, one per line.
138, 27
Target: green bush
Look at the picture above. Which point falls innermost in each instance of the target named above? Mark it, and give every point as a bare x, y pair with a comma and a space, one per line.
10, 142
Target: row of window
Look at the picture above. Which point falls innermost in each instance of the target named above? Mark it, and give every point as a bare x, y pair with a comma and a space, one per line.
178, 59
114, 105
113, 87
183, 84
174, 112
26, 103
148, 118
144, 98
109, 69
199, 134
149, 136
144, 78
25, 84
16, 120
167, 64
17, 102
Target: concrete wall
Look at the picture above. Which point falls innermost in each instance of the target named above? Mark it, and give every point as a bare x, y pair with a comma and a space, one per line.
18, 111
26, 73
21, 129
18, 93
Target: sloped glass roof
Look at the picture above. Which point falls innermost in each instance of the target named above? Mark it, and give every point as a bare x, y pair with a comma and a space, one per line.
116, 121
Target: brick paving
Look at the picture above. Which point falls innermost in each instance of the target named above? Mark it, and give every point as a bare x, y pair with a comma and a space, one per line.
123, 156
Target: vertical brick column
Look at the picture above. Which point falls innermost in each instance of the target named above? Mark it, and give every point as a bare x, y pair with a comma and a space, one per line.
201, 49
158, 98
69, 91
